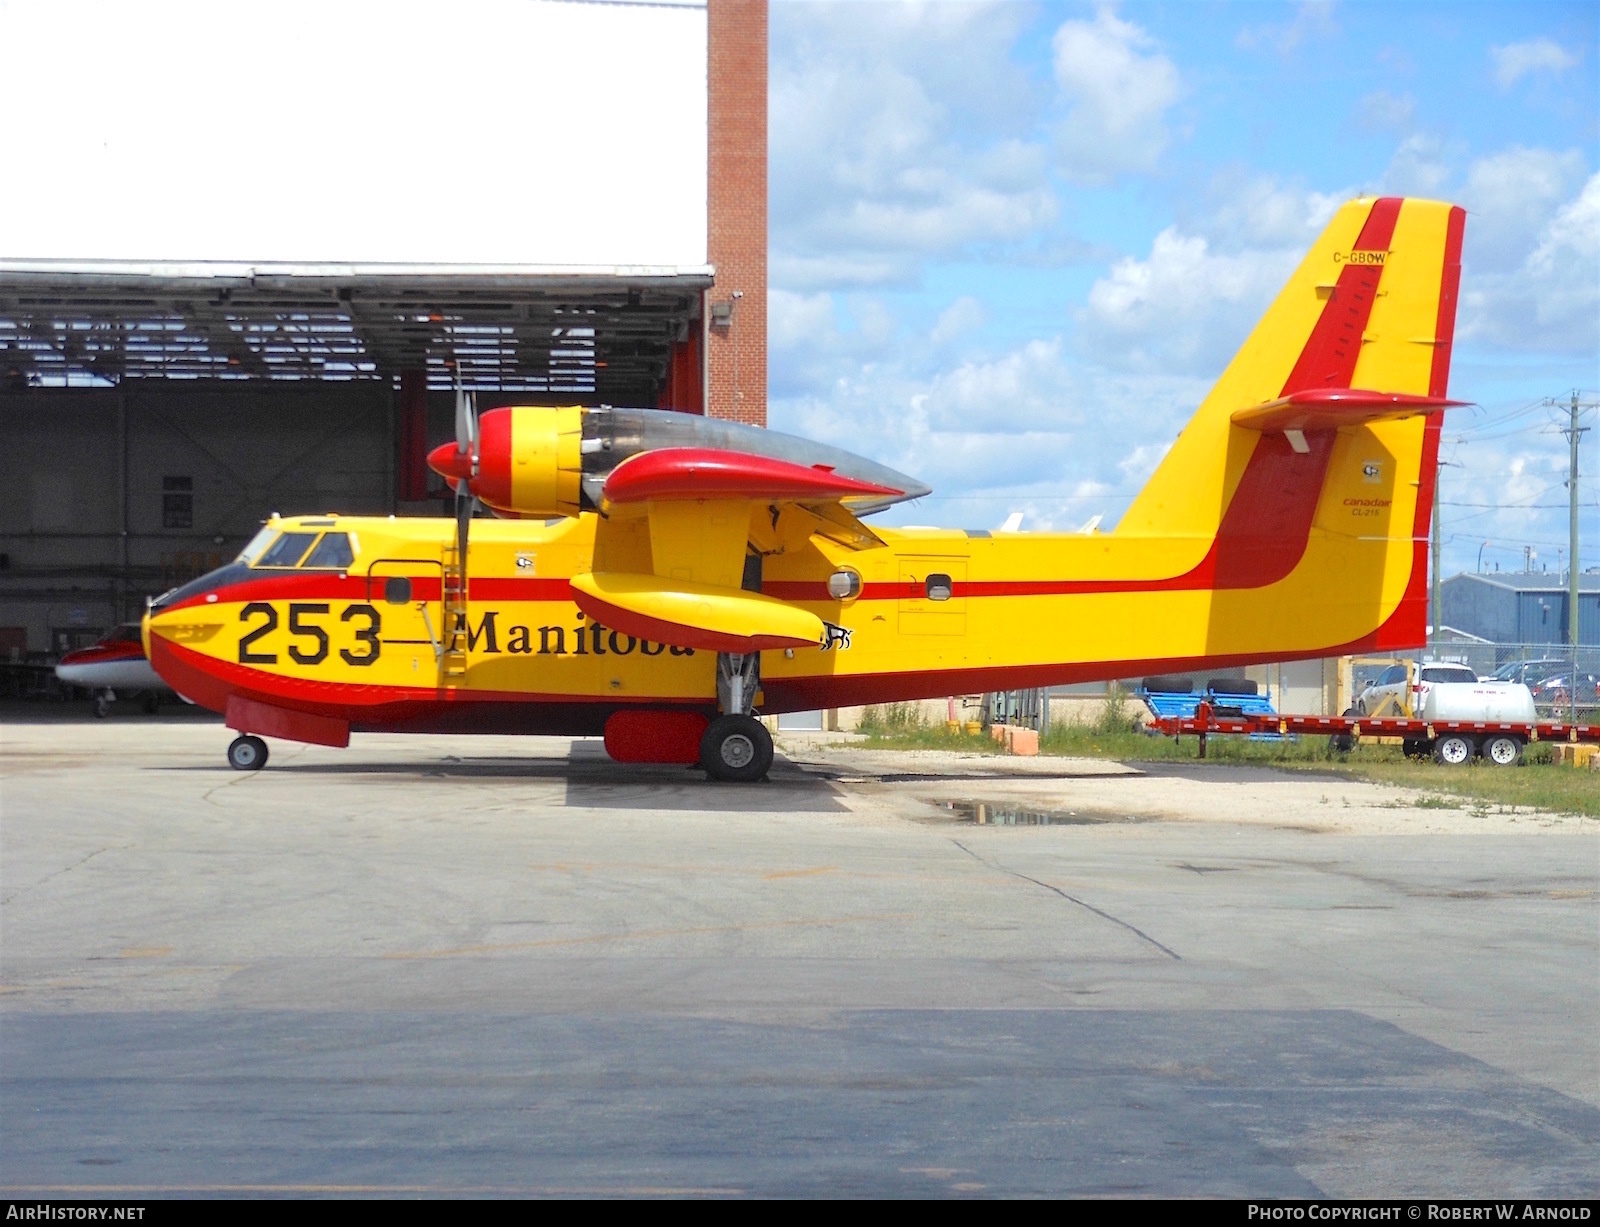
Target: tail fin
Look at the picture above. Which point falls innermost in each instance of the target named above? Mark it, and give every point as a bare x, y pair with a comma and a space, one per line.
1371, 307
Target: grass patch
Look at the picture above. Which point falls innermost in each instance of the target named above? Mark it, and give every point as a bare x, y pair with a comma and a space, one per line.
1536, 784
901, 726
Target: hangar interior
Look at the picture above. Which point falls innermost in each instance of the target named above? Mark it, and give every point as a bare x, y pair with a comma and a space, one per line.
154, 416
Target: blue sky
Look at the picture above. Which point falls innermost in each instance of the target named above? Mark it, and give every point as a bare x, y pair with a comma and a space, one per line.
1013, 244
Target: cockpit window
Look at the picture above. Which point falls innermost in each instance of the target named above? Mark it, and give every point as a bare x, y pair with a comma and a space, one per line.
332, 552
259, 542
124, 634
287, 550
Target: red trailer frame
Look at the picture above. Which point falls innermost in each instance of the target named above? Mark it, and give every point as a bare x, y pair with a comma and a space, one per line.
1475, 734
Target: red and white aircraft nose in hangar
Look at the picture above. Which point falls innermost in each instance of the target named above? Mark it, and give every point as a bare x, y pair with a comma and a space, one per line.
116, 663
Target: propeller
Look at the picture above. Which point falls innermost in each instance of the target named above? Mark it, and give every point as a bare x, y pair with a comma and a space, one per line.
467, 453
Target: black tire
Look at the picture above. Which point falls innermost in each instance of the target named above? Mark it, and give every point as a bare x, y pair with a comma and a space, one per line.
1343, 743
152, 703
1416, 747
737, 749
102, 708
1169, 685
1454, 750
247, 754
1502, 749
1232, 685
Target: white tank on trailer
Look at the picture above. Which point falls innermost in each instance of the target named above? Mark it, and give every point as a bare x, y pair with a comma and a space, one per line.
1478, 702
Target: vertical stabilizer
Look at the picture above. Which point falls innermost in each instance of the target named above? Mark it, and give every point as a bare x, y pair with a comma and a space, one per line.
1371, 307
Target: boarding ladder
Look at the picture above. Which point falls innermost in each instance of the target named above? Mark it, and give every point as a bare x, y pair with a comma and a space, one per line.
453, 649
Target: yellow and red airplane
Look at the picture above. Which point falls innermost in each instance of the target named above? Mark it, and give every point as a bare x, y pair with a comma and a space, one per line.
660, 578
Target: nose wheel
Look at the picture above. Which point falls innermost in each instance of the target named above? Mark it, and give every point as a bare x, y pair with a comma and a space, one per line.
247, 754
736, 748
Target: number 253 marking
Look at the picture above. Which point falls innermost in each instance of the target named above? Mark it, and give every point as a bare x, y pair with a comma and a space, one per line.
301, 628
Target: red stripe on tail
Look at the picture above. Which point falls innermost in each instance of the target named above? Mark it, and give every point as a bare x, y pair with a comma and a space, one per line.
1444, 331
1329, 357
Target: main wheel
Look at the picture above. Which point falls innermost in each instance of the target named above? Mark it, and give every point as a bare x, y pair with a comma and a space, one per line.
1503, 750
152, 703
1454, 750
1415, 747
247, 754
736, 748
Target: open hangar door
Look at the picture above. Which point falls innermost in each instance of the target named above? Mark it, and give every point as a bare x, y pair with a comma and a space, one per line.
258, 317
150, 420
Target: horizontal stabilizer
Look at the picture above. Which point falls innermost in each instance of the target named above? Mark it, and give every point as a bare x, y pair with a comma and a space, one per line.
712, 473
692, 615
1330, 408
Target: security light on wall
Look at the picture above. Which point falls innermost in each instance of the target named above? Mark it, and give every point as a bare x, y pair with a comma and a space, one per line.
722, 314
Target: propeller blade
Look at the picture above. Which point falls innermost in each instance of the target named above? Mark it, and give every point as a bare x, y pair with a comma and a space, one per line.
467, 425
466, 505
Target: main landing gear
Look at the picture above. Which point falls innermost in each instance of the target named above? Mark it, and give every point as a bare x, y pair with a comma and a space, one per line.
736, 747
247, 754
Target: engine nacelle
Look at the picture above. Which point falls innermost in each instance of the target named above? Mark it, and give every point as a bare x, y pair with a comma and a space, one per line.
540, 463
530, 461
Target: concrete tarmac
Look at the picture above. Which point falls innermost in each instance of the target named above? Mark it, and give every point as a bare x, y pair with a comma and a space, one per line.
506, 966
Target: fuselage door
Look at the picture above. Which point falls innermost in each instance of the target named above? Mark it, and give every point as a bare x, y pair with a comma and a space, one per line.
408, 593
931, 601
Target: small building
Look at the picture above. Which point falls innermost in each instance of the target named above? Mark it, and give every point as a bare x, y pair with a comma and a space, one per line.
1521, 606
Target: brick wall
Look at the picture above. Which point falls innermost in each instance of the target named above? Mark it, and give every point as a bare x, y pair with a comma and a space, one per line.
736, 352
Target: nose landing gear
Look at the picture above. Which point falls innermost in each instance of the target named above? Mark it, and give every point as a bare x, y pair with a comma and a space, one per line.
247, 754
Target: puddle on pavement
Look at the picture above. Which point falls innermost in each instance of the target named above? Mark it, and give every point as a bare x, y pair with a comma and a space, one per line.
1011, 814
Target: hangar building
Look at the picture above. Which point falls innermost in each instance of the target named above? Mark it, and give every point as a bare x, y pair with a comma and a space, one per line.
245, 263
1523, 607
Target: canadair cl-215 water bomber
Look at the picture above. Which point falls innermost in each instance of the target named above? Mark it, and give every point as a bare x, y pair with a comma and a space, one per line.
662, 579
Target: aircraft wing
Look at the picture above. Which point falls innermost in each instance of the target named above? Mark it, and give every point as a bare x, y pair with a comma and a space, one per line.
677, 526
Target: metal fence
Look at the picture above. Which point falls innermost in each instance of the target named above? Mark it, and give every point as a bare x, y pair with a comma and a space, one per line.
1565, 680
1024, 708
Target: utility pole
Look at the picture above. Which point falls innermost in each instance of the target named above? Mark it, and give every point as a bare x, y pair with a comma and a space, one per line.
1573, 433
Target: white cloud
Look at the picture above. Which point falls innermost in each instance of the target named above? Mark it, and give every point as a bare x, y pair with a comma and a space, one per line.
1382, 111
1118, 97
815, 339
1313, 17
1033, 386
1510, 197
1259, 211
1538, 55
1418, 168
899, 133
1031, 429
1575, 231
1551, 303
961, 317
1185, 308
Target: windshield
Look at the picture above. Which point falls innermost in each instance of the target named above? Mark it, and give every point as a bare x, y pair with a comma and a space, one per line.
1451, 674
259, 542
287, 550
333, 552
